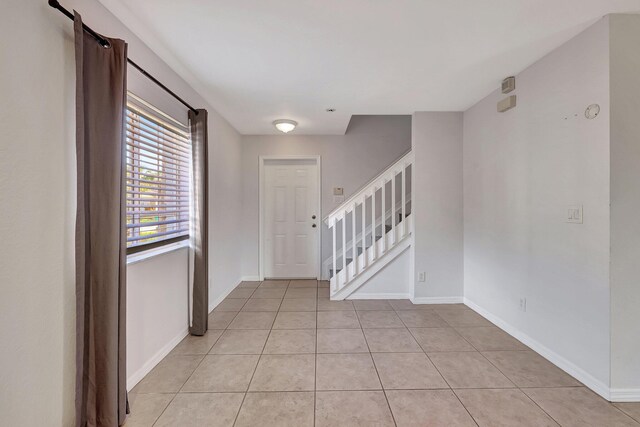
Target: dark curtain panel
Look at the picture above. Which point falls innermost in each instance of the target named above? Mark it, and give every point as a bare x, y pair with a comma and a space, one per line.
200, 226
101, 394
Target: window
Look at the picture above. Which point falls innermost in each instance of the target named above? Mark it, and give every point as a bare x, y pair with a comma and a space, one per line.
158, 158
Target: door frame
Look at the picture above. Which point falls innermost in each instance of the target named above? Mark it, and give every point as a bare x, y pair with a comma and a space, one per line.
262, 160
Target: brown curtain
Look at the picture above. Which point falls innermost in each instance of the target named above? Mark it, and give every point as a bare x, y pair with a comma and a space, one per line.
200, 228
101, 394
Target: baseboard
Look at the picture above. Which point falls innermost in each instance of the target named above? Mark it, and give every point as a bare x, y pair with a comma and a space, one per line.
155, 359
379, 296
570, 368
250, 279
625, 394
437, 300
213, 304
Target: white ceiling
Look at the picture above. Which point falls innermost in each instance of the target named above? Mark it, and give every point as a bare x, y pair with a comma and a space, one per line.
256, 60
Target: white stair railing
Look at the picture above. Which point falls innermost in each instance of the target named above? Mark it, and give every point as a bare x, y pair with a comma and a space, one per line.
376, 198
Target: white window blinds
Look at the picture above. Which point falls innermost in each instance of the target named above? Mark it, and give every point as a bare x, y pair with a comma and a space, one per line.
158, 159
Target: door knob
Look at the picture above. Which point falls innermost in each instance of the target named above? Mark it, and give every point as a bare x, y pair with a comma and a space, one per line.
313, 217
313, 225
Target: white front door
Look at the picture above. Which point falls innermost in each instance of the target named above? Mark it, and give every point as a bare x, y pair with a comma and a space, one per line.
291, 219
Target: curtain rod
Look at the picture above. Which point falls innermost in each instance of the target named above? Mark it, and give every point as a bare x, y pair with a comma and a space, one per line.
105, 43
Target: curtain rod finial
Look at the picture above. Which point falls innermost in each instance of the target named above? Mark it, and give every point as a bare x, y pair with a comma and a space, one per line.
54, 3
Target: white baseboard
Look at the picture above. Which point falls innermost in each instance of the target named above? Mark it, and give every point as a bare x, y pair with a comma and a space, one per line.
437, 300
213, 304
379, 296
570, 368
625, 394
250, 279
155, 359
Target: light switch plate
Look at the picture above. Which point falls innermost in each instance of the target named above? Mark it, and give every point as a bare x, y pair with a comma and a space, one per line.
574, 214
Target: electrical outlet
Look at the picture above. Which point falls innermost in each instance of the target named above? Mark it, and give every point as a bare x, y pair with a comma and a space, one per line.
422, 276
523, 304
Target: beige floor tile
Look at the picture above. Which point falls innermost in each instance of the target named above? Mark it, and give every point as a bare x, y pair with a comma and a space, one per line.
463, 317
231, 304
253, 320
428, 408
269, 293
346, 372
405, 304
146, 408
489, 338
299, 304
291, 341
338, 320
341, 341
353, 409
221, 319
294, 372
222, 373
372, 304
407, 371
528, 369
421, 319
327, 305
192, 344
289, 409
578, 407
250, 285
630, 408
391, 340
324, 293
440, 339
240, 293
379, 319
295, 320
503, 408
301, 293
303, 284
274, 284
262, 304
468, 370
169, 375
249, 341
201, 409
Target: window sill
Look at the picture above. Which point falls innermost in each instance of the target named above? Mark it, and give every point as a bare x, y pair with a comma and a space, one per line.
151, 253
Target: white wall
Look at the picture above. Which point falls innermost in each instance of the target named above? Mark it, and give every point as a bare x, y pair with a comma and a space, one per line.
625, 205
370, 144
37, 296
37, 189
437, 197
522, 169
157, 310
392, 282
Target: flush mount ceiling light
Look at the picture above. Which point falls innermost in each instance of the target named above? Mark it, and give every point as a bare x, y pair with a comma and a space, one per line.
284, 125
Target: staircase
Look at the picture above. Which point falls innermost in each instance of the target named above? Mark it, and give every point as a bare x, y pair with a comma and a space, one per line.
371, 228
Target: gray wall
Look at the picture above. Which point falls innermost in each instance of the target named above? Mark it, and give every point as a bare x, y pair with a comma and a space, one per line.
437, 197
370, 144
522, 169
625, 202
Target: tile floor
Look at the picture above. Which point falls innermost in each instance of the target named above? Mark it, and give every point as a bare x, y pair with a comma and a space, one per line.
279, 353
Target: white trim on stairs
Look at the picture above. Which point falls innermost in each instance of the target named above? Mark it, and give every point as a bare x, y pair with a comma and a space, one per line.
250, 279
569, 367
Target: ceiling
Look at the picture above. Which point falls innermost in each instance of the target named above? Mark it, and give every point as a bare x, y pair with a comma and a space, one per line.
256, 61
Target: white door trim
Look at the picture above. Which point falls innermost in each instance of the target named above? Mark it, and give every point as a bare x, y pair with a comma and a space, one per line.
262, 160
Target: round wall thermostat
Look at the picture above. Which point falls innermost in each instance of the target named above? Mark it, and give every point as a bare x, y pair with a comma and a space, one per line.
592, 111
